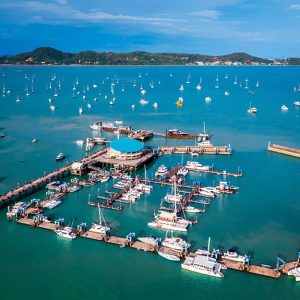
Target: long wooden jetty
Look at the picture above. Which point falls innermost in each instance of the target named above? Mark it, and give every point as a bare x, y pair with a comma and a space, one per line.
222, 150
253, 269
37, 184
284, 150
124, 242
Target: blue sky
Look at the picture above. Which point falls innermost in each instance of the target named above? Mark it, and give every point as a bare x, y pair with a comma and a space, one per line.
266, 28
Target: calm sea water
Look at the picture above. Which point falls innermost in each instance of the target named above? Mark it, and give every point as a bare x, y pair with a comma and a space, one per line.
262, 219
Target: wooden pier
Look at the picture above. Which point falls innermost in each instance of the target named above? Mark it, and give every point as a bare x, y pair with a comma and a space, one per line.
253, 269
222, 150
284, 150
35, 185
120, 241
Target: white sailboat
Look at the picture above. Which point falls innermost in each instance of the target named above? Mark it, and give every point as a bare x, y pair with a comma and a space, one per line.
100, 227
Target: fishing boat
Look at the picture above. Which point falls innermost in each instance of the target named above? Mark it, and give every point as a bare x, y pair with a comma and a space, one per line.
100, 227
203, 265
66, 232
60, 156
168, 256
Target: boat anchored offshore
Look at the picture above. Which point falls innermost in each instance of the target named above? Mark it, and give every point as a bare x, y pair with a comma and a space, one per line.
60, 156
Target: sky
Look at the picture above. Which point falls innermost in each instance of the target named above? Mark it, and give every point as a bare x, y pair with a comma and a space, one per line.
264, 28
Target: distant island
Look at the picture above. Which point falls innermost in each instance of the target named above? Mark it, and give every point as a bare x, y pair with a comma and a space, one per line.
48, 55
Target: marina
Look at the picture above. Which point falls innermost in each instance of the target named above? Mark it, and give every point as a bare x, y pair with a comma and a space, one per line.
167, 187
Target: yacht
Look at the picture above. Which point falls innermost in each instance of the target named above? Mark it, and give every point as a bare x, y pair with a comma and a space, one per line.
52, 107
203, 265
80, 110
192, 209
168, 256
52, 203
284, 108
231, 254
96, 126
150, 240
226, 93
60, 156
79, 142
118, 122
295, 272
34, 140
204, 142
196, 166
143, 101
176, 243
143, 91
66, 232
161, 171
296, 103
207, 99
183, 171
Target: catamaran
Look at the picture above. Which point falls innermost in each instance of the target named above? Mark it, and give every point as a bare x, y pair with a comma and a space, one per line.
99, 227
203, 264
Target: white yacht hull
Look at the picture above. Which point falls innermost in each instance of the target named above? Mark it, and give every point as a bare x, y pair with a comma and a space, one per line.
201, 271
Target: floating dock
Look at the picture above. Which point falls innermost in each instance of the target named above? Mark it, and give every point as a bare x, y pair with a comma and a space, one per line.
253, 269
284, 150
222, 150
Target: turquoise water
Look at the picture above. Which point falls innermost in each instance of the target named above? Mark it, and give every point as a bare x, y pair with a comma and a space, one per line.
262, 219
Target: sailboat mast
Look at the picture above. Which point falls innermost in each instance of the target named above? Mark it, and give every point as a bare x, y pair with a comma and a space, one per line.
208, 247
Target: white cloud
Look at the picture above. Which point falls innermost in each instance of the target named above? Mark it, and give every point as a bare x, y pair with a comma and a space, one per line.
64, 2
295, 6
208, 14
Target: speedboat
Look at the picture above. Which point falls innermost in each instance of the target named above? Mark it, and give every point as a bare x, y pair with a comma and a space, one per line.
60, 156
2, 135
66, 232
284, 108
34, 140
207, 99
168, 256
231, 254
155, 105
203, 265
79, 142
